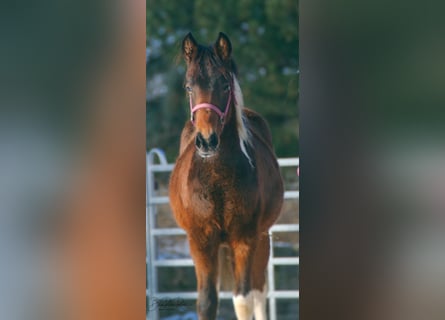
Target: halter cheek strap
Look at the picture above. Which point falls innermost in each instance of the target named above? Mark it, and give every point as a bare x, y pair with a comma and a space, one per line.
222, 115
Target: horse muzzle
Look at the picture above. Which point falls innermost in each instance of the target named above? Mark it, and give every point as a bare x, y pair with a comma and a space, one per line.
206, 147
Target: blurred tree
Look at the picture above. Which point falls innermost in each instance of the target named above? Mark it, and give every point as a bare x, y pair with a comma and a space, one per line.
264, 35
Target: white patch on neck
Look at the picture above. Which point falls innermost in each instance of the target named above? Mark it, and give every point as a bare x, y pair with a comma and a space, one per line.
243, 132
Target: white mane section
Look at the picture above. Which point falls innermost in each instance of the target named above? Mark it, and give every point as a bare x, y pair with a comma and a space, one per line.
243, 132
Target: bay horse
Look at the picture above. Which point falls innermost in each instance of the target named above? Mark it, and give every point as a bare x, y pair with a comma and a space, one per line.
226, 188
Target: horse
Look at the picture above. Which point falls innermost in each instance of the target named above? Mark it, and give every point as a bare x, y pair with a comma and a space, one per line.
226, 188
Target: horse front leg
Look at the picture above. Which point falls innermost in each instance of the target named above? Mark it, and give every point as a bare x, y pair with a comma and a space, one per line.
205, 257
243, 300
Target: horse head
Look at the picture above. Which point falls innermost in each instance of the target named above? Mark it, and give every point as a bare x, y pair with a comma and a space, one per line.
209, 83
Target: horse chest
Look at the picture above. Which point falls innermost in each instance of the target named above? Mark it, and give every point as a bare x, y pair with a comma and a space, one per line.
220, 194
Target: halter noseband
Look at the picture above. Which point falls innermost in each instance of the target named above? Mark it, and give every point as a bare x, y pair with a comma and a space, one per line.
222, 115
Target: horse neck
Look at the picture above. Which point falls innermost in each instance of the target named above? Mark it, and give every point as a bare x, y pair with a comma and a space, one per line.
231, 141
230, 130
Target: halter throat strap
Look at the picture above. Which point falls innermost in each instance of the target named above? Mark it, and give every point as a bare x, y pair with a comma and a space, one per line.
222, 115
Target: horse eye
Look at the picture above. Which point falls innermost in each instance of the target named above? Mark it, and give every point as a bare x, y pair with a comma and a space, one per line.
188, 89
227, 87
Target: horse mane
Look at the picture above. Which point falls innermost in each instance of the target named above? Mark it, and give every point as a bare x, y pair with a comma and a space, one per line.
243, 131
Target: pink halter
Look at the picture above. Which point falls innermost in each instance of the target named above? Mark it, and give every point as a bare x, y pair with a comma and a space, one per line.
222, 115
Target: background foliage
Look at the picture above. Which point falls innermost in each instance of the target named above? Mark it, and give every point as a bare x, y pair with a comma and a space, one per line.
264, 36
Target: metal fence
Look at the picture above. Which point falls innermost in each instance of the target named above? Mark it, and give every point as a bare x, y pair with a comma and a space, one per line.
152, 232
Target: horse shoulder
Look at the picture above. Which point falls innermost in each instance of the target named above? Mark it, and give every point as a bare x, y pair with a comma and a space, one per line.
268, 172
258, 126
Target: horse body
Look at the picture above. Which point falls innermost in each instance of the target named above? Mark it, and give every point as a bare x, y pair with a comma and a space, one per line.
227, 191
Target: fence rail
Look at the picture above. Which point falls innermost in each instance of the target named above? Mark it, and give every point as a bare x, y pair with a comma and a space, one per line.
157, 162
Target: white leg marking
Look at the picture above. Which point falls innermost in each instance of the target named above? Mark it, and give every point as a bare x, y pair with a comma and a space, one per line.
243, 306
259, 303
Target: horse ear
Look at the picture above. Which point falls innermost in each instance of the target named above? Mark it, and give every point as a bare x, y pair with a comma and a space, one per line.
223, 47
189, 48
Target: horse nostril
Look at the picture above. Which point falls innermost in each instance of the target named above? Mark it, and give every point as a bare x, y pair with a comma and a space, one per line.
201, 142
198, 140
204, 144
213, 141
